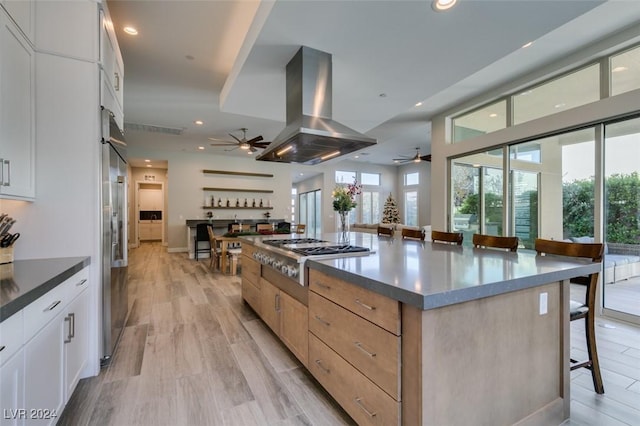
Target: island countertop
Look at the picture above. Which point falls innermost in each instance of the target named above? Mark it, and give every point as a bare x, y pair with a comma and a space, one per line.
432, 275
23, 281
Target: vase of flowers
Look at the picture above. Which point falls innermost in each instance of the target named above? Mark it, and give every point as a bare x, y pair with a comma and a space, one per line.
344, 200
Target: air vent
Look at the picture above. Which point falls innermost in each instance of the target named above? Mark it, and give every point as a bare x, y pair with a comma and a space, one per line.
153, 129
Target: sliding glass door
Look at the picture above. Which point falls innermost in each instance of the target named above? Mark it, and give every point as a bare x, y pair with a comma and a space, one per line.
622, 217
310, 212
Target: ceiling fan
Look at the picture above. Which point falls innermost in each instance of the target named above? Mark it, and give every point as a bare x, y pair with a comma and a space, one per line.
416, 158
249, 145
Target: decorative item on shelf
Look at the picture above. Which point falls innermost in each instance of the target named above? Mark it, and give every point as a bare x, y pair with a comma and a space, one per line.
268, 203
245, 203
254, 203
343, 203
261, 202
220, 202
228, 203
213, 201
237, 202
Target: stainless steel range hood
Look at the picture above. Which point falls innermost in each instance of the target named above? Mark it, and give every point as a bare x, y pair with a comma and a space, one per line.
311, 136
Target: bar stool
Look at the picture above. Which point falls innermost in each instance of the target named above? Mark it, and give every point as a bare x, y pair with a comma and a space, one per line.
414, 234
447, 237
509, 243
578, 310
202, 235
385, 230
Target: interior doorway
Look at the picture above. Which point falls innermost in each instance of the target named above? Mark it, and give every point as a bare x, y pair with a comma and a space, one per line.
150, 214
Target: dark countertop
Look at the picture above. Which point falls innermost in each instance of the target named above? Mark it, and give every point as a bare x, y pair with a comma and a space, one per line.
23, 281
431, 275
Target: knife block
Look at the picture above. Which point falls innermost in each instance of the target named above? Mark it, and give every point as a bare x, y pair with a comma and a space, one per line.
6, 255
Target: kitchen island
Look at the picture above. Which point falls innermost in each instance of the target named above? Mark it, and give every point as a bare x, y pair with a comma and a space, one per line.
423, 333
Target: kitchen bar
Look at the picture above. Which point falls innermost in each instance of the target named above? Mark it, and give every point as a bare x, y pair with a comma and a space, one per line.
474, 341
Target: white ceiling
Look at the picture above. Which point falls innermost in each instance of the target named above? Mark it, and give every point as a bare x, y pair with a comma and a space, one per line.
223, 62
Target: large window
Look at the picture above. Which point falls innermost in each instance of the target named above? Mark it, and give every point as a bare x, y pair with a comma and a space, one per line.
372, 179
483, 120
411, 208
412, 179
370, 207
569, 91
625, 71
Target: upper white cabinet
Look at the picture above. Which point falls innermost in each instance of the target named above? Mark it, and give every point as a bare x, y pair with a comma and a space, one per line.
67, 28
22, 12
112, 69
17, 116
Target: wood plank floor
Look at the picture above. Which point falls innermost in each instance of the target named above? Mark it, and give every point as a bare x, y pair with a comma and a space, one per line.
194, 354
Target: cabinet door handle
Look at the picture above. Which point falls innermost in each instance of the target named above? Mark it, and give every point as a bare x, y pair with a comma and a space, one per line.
322, 367
322, 321
68, 339
81, 282
359, 346
1, 171
52, 307
364, 305
117, 82
8, 181
361, 405
277, 303
72, 334
2, 348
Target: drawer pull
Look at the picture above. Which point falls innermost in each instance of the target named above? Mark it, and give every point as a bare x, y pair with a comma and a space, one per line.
364, 305
68, 338
81, 282
53, 306
322, 285
2, 348
73, 325
322, 367
359, 402
323, 322
359, 346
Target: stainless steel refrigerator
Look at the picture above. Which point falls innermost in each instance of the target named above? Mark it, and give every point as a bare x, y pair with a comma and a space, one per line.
114, 234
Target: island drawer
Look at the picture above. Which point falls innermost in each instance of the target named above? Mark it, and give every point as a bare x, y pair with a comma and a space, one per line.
372, 306
11, 336
251, 295
248, 250
372, 350
365, 402
250, 269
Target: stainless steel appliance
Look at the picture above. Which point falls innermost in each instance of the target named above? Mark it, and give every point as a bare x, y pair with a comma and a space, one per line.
288, 255
114, 234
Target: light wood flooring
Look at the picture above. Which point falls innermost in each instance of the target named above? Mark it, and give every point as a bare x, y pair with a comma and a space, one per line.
194, 354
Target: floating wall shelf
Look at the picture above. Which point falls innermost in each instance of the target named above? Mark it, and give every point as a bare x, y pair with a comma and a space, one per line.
265, 191
237, 208
225, 172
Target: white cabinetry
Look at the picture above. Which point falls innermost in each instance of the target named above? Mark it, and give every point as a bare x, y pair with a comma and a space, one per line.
44, 371
22, 12
151, 198
112, 75
12, 390
17, 136
76, 349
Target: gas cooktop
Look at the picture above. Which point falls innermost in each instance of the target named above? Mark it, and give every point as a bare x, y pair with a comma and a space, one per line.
289, 241
329, 249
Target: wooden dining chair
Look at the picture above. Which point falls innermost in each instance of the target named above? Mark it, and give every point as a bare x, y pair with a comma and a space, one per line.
413, 234
215, 250
385, 230
494, 241
579, 310
447, 237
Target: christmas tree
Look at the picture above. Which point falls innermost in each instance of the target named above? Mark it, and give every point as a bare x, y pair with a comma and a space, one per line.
390, 213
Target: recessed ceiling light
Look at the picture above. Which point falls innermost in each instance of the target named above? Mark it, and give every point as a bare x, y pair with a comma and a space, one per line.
249, 152
560, 105
442, 5
198, 122
201, 148
301, 174
130, 30
524, 46
619, 69
493, 115
149, 165
147, 161
419, 104
356, 156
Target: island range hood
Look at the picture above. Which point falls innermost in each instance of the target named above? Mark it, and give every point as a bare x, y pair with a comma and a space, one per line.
311, 136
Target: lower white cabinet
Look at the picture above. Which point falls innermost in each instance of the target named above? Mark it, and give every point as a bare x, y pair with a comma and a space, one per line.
76, 342
44, 377
37, 380
12, 390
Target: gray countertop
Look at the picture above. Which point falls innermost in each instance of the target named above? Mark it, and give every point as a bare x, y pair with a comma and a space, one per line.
431, 275
23, 281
